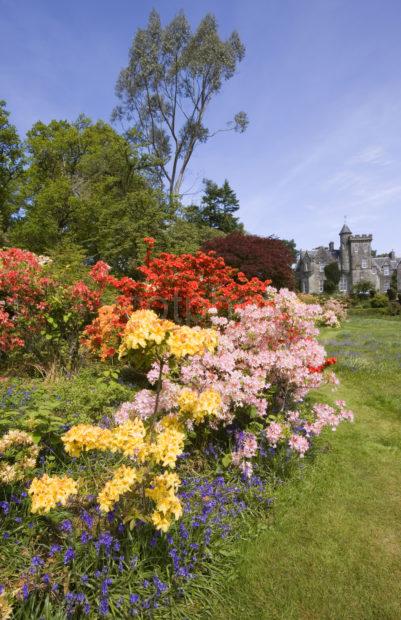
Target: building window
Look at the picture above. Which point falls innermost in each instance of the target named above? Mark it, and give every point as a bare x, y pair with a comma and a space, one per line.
364, 263
321, 286
386, 271
356, 249
321, 267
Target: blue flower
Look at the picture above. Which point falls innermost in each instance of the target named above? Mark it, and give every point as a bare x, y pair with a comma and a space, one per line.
66, 526
53, 550
105, 586
104, 607
5, 506
134, 598
85, 538
87, 519
69, 555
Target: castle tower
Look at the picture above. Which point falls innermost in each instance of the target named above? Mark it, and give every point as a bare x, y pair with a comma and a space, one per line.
345, 256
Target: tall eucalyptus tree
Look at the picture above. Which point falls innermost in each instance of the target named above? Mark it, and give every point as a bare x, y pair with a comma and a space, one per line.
171, 77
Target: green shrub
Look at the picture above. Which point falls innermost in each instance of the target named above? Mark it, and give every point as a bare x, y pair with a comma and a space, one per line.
379, 301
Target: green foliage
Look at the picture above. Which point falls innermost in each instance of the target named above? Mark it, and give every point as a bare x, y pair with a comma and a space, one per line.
333, 275
217, 208
11, 168
379, 301
86, 186
171, 77
362, 288
185, 237
47, 407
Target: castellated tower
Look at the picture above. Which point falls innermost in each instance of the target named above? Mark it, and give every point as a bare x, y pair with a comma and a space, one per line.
345, 250
361, 258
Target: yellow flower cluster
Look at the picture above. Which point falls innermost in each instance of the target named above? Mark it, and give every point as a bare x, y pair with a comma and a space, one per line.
17, 471
192, 341
198, 406
168, 506
128, 438
6, 610
48, 491
169, 445
144, 328
122, 481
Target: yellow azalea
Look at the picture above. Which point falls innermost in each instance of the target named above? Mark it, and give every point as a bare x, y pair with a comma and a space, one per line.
169, 445
160, 521
187, 400
122, 481
168, 505
84, 437
143, 328
17, 471
48, 491
191, 341
198, 406
129, 438
209, 403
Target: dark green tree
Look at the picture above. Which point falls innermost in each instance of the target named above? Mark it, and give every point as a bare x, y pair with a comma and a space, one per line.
393, 289
11, 168
333, 275
87, 184
171, 77
217, 208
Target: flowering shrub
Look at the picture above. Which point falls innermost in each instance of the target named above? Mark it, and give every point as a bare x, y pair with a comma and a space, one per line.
19, 448
151, 448
40, 315
334, 312
181, 287
262, 365
117, 519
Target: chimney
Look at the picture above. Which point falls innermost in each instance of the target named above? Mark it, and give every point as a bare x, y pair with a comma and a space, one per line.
392, 255
331, 246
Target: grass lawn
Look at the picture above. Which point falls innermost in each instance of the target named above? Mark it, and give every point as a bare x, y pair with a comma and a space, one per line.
332, 546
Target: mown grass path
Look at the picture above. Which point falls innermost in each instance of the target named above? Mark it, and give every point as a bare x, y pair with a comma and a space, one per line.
332, 547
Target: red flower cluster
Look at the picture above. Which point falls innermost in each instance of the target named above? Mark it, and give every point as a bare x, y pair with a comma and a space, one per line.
22, 296
28, 299
329, 361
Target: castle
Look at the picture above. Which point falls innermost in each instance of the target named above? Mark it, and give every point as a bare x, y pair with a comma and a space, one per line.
356, 262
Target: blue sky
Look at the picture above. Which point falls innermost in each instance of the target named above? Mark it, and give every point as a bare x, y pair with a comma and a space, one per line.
321, 83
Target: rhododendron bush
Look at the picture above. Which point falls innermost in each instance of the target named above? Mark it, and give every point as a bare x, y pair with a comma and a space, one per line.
40, 316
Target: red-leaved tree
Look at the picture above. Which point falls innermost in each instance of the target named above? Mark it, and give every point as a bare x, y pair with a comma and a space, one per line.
260, 257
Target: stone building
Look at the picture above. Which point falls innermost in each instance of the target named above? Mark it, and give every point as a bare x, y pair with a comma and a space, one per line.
356, 261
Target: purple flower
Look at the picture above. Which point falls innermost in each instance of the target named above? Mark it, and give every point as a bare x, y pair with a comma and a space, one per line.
104, 607
25, 591
133, 599
87, 519
66, 526
85, 538
69, 555
5, 506
105, 586
105, 540
53, 550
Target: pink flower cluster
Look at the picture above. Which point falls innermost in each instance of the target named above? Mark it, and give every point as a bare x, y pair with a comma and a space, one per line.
274, 346
267, 360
